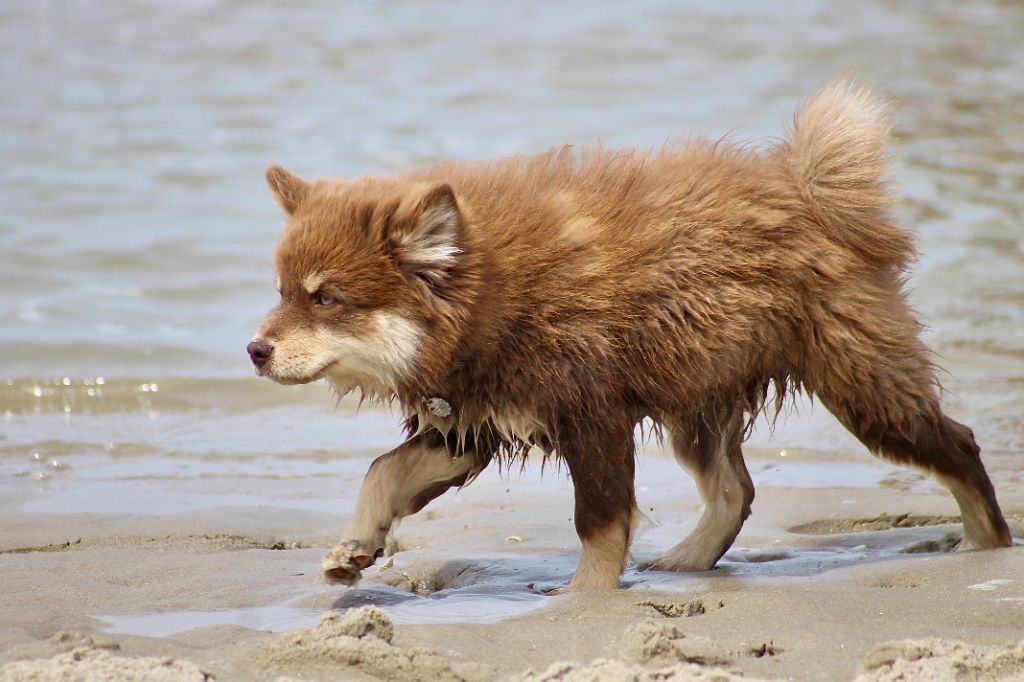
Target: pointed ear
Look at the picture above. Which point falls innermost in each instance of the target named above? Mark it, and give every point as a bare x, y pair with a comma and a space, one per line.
426, 243
289, 189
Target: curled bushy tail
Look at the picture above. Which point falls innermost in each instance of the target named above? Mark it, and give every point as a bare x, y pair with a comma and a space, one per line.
837, 152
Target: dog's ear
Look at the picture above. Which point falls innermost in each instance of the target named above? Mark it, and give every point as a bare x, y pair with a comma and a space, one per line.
289, 189
425, 243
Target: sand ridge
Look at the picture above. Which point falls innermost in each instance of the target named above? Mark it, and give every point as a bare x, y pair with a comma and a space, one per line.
935, 660
604, 670
92, 664
361, 638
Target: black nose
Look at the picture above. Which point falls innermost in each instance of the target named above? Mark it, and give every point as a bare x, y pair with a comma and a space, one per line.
259, 352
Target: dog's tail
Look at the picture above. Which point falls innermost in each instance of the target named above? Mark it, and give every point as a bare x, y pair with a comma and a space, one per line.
837, 153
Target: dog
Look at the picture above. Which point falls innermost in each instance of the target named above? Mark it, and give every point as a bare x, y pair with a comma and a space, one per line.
553, 302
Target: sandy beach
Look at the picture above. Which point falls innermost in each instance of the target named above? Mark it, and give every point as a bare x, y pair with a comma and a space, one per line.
845, 559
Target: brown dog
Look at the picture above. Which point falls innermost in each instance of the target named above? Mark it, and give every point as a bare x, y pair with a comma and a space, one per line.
555, 301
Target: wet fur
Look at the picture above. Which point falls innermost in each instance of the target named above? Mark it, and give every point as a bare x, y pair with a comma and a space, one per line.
555, 301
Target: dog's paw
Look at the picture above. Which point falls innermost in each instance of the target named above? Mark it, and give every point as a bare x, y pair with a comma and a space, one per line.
677, 564
346, 562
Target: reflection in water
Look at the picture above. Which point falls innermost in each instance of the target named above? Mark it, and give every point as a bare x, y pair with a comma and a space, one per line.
488, 599
485, 604
402, 608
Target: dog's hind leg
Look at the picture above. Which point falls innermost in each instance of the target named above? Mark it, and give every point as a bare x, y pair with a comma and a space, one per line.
872, 372
710, 452
399, 484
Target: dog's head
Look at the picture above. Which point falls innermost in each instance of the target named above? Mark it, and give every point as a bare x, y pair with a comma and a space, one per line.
359, 268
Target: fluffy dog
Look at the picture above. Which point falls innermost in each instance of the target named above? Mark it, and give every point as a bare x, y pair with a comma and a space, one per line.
555, 301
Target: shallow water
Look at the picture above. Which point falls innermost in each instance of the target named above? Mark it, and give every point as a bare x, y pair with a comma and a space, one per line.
137, 232
460, 606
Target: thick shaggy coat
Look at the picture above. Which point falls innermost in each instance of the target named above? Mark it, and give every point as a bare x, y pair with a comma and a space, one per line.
555, 301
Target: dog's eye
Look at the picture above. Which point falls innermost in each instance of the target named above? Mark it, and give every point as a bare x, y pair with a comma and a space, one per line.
320, 298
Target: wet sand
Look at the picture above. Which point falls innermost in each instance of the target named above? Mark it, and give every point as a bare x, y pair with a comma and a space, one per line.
844, 558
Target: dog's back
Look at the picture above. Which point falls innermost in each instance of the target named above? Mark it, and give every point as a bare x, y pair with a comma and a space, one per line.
673, 279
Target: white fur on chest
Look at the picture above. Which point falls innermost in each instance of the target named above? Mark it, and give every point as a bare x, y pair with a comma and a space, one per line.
512, 424
516, 424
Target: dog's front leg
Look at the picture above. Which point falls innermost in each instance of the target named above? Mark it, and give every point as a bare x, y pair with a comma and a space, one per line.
601, 464
398, 484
